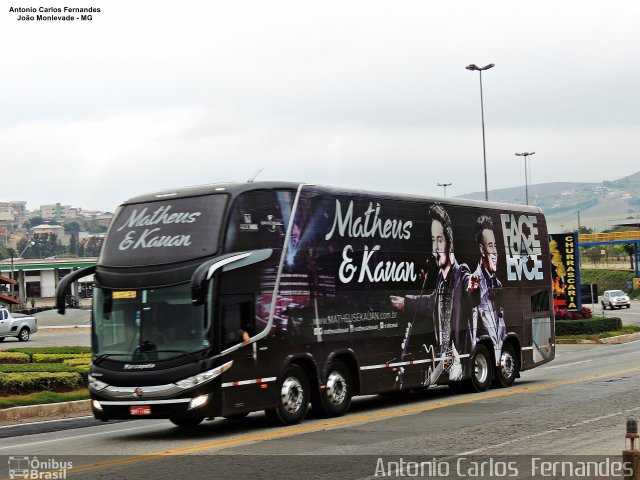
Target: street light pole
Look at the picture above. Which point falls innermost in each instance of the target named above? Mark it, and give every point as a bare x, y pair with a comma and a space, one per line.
445, 185
526, 182
473, 67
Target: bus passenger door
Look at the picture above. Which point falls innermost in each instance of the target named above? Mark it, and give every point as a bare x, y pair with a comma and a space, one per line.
239, 385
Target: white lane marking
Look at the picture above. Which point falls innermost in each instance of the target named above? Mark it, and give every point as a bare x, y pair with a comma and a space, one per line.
62, 439
554, 430
568, 364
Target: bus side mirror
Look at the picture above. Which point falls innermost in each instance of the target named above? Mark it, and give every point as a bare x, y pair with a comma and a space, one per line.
229, 261
65, 283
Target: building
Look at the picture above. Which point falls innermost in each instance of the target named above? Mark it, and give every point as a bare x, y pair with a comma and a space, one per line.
19, 208
6, 213
40, 278
58, 212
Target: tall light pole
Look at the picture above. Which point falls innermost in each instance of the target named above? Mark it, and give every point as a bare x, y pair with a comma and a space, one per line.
473, 67
445, 185
526, 182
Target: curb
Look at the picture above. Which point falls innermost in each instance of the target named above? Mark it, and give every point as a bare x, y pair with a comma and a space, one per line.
74, 408
45, 327
630, 337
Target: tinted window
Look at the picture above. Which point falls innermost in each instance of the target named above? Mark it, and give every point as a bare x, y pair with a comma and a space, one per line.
164, 232
258, 220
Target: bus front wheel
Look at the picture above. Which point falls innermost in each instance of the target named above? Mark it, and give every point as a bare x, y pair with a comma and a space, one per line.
293, 398
335, 398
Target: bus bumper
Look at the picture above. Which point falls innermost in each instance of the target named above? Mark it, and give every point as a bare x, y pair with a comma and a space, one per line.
201, 405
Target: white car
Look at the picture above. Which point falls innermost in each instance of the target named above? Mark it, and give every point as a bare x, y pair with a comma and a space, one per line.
615, 299
16, 325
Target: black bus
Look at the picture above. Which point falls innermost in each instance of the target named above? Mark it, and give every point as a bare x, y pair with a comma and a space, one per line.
225, 299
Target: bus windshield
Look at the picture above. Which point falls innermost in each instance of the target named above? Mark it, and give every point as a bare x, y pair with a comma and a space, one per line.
148, 324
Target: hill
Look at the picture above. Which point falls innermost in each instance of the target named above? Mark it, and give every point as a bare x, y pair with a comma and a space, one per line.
599, 204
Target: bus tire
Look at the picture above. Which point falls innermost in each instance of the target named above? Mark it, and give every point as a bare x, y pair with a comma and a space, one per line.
187, 422
481, 371
293, 397
507, 372
335, 399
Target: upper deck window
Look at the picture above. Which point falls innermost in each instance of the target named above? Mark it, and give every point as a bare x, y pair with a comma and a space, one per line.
162, 232
259, 219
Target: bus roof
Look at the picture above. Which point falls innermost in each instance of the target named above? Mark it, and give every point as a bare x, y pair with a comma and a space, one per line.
237, 188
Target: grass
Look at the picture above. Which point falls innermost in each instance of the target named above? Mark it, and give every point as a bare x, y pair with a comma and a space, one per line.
42, 398
608, 279
597, 336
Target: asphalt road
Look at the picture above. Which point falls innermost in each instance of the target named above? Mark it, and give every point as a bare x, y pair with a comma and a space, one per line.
57, 330
578, 404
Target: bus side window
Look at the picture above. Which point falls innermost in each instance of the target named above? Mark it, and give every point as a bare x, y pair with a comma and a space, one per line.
540, 301
236, 318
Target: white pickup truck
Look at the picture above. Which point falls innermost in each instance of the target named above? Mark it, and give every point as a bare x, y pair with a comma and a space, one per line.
16, 325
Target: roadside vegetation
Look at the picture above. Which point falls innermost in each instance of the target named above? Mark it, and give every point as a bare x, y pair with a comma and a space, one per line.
41, 398
598, 336
592, 329
609, 280
36, 375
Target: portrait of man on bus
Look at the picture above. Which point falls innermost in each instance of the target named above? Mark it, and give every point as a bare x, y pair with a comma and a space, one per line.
449, 305
488, 319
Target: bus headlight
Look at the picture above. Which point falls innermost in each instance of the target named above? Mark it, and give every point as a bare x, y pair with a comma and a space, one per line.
204, 377
96, 384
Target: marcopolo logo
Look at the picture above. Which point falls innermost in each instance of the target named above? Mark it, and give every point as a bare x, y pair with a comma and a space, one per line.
34, 468
138, 366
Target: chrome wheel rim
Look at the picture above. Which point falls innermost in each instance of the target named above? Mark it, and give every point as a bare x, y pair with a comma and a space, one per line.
480, 368
24, 335
507, 365
292, 395
336, 388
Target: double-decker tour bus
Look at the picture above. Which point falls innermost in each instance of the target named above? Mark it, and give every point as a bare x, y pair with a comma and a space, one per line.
225, 299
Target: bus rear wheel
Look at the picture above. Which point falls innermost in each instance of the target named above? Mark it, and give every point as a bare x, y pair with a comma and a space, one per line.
334, 400
480, 363
293, 398
507, 371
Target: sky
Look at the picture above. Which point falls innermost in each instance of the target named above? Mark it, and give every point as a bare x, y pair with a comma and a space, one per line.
368, 94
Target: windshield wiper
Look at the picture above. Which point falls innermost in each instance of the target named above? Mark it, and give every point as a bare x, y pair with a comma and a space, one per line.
145, 348
105, 355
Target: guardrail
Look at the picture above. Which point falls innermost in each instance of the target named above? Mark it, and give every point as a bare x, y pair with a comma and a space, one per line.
631, 235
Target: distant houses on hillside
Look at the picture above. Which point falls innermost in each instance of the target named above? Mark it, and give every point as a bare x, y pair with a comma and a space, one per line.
53, 229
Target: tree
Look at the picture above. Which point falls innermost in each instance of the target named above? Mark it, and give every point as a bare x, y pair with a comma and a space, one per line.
630, 250
21, 246
35, 221
45, 245
71, 228
73, 244
93, 246
593, 254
